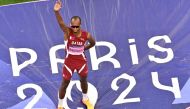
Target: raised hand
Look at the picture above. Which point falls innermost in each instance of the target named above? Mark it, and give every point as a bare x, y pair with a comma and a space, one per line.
57, 5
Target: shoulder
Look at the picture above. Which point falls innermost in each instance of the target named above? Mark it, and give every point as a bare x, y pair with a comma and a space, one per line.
86, 33
68, 34
70, 31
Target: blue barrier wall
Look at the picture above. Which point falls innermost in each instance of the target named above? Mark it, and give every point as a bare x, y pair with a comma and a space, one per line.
116, 25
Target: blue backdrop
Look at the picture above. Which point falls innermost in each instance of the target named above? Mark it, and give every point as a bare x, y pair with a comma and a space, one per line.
116, 25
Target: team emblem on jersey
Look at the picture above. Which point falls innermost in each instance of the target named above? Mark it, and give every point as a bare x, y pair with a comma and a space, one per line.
72, 38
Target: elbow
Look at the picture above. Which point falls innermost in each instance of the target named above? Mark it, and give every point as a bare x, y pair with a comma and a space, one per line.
93, 43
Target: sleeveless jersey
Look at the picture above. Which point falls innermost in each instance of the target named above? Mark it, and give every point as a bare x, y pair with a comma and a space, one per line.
75, 45
75, 59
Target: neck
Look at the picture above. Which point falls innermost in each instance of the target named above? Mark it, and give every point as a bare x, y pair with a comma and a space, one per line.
77, 33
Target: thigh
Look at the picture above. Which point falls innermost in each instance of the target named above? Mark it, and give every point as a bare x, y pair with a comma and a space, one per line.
83, 69
67, 71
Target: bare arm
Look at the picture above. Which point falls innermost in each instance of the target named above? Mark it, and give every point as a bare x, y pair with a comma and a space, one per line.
63, 26
91, 42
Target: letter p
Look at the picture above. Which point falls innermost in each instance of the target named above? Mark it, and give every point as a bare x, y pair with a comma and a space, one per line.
14, 61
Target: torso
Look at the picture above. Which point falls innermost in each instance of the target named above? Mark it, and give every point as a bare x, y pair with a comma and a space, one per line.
75, 44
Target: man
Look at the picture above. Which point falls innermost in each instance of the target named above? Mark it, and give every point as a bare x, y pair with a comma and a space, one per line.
75, 40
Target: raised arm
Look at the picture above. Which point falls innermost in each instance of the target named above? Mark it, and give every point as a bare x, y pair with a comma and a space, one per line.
91, 42
63, 26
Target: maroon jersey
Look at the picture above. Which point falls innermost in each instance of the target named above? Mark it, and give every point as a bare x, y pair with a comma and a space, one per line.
75, 58
75, 45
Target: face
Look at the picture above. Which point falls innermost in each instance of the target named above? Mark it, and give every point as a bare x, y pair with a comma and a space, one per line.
75, 25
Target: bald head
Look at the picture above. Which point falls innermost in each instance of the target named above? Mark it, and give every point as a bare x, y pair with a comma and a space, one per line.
76, 19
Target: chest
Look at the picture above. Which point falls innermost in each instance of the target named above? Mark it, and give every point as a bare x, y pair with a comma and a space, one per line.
76, 41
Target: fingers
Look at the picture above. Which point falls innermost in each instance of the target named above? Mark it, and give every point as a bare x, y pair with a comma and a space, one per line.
59, 2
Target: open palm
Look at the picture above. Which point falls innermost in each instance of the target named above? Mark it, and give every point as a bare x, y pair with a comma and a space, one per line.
57, 5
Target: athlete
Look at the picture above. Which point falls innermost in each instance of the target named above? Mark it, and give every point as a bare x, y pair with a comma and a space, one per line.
75, 40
